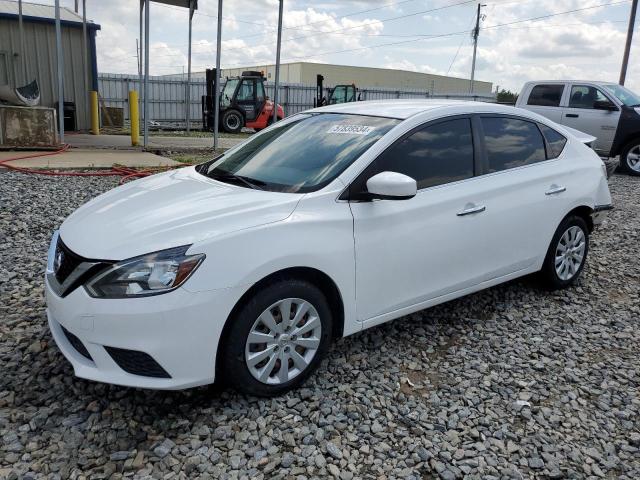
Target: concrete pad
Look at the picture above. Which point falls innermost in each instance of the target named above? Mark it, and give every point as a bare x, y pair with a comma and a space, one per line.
82, 140
89, 159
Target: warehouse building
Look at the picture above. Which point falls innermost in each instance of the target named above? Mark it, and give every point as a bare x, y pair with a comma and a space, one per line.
305, 73
40, 55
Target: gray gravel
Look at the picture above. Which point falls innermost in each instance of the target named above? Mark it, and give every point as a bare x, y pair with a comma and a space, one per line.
512, 382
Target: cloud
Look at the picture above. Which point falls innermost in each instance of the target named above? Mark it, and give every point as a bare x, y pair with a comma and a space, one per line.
583, 44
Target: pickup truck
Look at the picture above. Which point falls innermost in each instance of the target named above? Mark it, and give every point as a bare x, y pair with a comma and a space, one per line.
608, 111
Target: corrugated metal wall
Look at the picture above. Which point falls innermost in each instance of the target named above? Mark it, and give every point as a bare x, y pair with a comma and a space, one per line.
41, 60
167, 96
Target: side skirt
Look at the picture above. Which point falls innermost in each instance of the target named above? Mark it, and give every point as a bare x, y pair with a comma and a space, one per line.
372, 322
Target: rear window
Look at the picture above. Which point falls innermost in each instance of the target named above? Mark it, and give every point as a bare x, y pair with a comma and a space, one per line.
555, 141
546, 95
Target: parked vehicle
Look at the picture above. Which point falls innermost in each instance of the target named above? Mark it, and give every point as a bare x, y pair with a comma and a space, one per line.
338, 94
608, 111
243, 103
246, 267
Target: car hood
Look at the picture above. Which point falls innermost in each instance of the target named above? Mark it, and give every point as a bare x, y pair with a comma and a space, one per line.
171, 209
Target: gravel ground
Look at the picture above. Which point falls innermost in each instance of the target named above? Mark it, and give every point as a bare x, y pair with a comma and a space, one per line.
513, 382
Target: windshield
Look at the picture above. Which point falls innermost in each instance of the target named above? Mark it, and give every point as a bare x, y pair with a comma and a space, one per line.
227, 93
302, 155
626, 96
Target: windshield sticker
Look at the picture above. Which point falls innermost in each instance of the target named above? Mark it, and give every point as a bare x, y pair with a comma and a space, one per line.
352, 129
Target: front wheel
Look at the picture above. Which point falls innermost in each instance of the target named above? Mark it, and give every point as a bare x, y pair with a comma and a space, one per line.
277, 339
630, 158
567, 253
232, 121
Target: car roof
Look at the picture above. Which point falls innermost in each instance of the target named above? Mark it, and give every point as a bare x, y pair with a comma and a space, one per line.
403, 109
595, 82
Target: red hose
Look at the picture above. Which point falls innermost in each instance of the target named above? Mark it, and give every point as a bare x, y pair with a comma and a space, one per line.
126, 173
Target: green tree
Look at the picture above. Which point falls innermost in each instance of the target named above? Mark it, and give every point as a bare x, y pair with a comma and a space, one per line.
506, 96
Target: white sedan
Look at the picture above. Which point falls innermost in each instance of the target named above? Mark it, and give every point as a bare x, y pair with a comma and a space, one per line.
332, 221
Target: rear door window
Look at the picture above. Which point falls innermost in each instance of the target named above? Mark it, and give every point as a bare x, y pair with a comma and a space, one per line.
546, 95
511, 142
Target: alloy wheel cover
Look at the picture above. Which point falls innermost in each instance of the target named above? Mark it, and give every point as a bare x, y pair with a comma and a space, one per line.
283, 341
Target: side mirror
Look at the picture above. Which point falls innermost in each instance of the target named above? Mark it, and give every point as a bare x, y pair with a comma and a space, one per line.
604, 105
392, 186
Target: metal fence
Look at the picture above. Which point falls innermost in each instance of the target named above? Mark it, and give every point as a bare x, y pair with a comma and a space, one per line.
167, 96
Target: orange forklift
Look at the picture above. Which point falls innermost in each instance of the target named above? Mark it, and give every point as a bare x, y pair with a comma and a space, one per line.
243, 103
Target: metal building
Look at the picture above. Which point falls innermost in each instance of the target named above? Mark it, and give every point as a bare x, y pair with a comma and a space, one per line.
40, 54
305, 73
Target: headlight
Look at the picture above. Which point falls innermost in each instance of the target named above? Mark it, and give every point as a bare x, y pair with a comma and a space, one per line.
151, 274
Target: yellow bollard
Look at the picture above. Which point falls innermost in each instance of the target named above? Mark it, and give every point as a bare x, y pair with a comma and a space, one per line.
134, 117
95, 124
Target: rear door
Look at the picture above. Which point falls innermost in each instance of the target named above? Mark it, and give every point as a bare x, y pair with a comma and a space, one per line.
580, 113
545, 99
526, 191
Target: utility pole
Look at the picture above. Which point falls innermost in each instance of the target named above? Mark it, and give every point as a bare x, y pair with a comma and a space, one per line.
192, 5
627, 48
22, 44
216, 93
277, 82
476, 33
85, 59
60, 69
145, 105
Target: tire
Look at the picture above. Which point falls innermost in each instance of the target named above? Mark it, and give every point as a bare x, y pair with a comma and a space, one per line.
630, 158
232, 121
256, 368
573, 230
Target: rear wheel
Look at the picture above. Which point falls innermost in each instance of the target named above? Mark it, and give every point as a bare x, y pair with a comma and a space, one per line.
567, 253
630, 158
277, 339
232, 121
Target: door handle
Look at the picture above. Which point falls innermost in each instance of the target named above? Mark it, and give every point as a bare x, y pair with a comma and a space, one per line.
471, 209
572, 115
555, 189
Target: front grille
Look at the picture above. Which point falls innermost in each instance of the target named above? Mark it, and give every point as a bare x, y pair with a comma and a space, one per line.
137, 363
76, 343
65, 261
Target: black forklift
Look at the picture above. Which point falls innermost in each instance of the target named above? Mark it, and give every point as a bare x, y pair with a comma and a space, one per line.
243, 103
338, 94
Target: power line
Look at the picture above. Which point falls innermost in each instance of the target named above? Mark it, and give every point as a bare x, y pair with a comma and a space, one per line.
542, 17
354, 26
430, 37
420, 37
459, 47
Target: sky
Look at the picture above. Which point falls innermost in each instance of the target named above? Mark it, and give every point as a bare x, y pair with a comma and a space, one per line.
519, 40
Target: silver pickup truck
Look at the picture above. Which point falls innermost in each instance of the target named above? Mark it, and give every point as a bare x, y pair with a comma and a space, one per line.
608, 111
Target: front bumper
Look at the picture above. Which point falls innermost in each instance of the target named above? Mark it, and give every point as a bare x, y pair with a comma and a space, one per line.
178, 330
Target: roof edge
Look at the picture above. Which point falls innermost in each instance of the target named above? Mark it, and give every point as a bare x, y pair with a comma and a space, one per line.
66, 23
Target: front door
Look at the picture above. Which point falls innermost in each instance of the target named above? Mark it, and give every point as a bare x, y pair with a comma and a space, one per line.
408, 251
582, 115
246, 98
